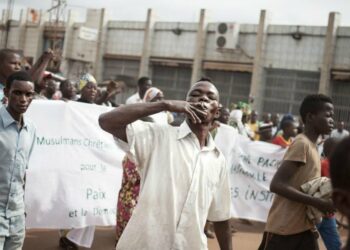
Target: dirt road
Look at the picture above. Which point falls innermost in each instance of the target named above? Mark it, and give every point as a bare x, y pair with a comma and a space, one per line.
247, 238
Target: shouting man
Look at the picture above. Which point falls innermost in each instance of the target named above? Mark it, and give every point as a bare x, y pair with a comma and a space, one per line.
184, 180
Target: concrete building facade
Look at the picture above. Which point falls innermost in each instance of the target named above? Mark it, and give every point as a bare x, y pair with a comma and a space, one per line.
276, 65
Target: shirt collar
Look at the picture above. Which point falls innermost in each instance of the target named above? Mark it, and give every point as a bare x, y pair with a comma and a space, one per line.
8, 120
184, 130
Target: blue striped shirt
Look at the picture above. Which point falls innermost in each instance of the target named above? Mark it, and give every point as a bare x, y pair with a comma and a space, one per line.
16, 146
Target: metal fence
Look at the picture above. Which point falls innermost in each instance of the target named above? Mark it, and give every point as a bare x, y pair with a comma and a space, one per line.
173, 81
285, 89
233, 86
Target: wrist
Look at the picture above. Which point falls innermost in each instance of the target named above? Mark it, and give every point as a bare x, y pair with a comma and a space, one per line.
165, 105
314, 202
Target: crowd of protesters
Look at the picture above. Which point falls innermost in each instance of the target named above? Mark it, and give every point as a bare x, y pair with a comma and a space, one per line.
188, 196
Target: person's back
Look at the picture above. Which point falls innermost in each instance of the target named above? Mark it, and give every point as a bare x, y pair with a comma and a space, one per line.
328, 226
340, 176
287, 224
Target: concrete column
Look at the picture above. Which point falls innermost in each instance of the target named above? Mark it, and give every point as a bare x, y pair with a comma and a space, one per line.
328, 54
22, 30
147, 44
257, 82
6, 30
98, 64
40, 34
199, 48
67, 44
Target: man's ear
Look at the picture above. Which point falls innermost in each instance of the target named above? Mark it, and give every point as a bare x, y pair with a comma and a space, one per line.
341, 200
217, 114
309, 117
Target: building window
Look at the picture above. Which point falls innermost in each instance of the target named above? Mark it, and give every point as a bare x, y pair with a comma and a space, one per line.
173, 81
285, 89
233, 86
341, 101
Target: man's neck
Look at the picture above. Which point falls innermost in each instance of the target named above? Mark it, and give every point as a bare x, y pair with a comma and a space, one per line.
311, 134
201, 131
347, 247
286, 137
17, 117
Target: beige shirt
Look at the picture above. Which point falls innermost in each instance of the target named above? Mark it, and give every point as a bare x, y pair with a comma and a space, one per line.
289, 217
135, 98
182, 186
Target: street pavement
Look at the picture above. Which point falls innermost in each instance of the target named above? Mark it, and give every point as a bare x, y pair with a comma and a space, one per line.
248, 237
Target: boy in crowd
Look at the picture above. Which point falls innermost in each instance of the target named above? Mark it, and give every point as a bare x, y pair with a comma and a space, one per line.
17, 137
10, 62
143, 84
287, 224
340, 176
289, 130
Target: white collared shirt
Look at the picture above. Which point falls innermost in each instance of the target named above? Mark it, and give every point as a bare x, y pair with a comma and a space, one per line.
182, 186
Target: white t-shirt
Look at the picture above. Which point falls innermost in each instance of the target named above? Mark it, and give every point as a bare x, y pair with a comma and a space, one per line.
336, 134
182, 186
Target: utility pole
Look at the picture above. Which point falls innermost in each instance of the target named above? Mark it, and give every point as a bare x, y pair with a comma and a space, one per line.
56, 12
8, 18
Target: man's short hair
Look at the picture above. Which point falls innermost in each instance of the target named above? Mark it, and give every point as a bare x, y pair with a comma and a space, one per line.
340, 165
286, 123
6, 53
205, 79
143, 80
313, 104
64, 84
18, 76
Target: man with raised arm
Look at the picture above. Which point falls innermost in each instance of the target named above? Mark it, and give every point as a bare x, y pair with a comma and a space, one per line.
184, 180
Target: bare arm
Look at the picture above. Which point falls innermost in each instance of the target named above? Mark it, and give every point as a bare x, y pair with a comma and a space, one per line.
115, 121
223, 234
280, 185
113, 88
36, 72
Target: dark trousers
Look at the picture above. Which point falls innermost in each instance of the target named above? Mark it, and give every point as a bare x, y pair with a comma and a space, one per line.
302, 241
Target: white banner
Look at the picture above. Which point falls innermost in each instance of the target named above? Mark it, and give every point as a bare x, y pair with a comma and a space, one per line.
75, 171
252, 166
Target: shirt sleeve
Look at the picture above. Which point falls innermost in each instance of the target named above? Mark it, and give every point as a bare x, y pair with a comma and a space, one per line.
297, 151
31, 146
220, 207
140, 137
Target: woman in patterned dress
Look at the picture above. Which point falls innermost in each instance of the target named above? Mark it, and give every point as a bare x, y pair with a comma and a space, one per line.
128, 195
130, 189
